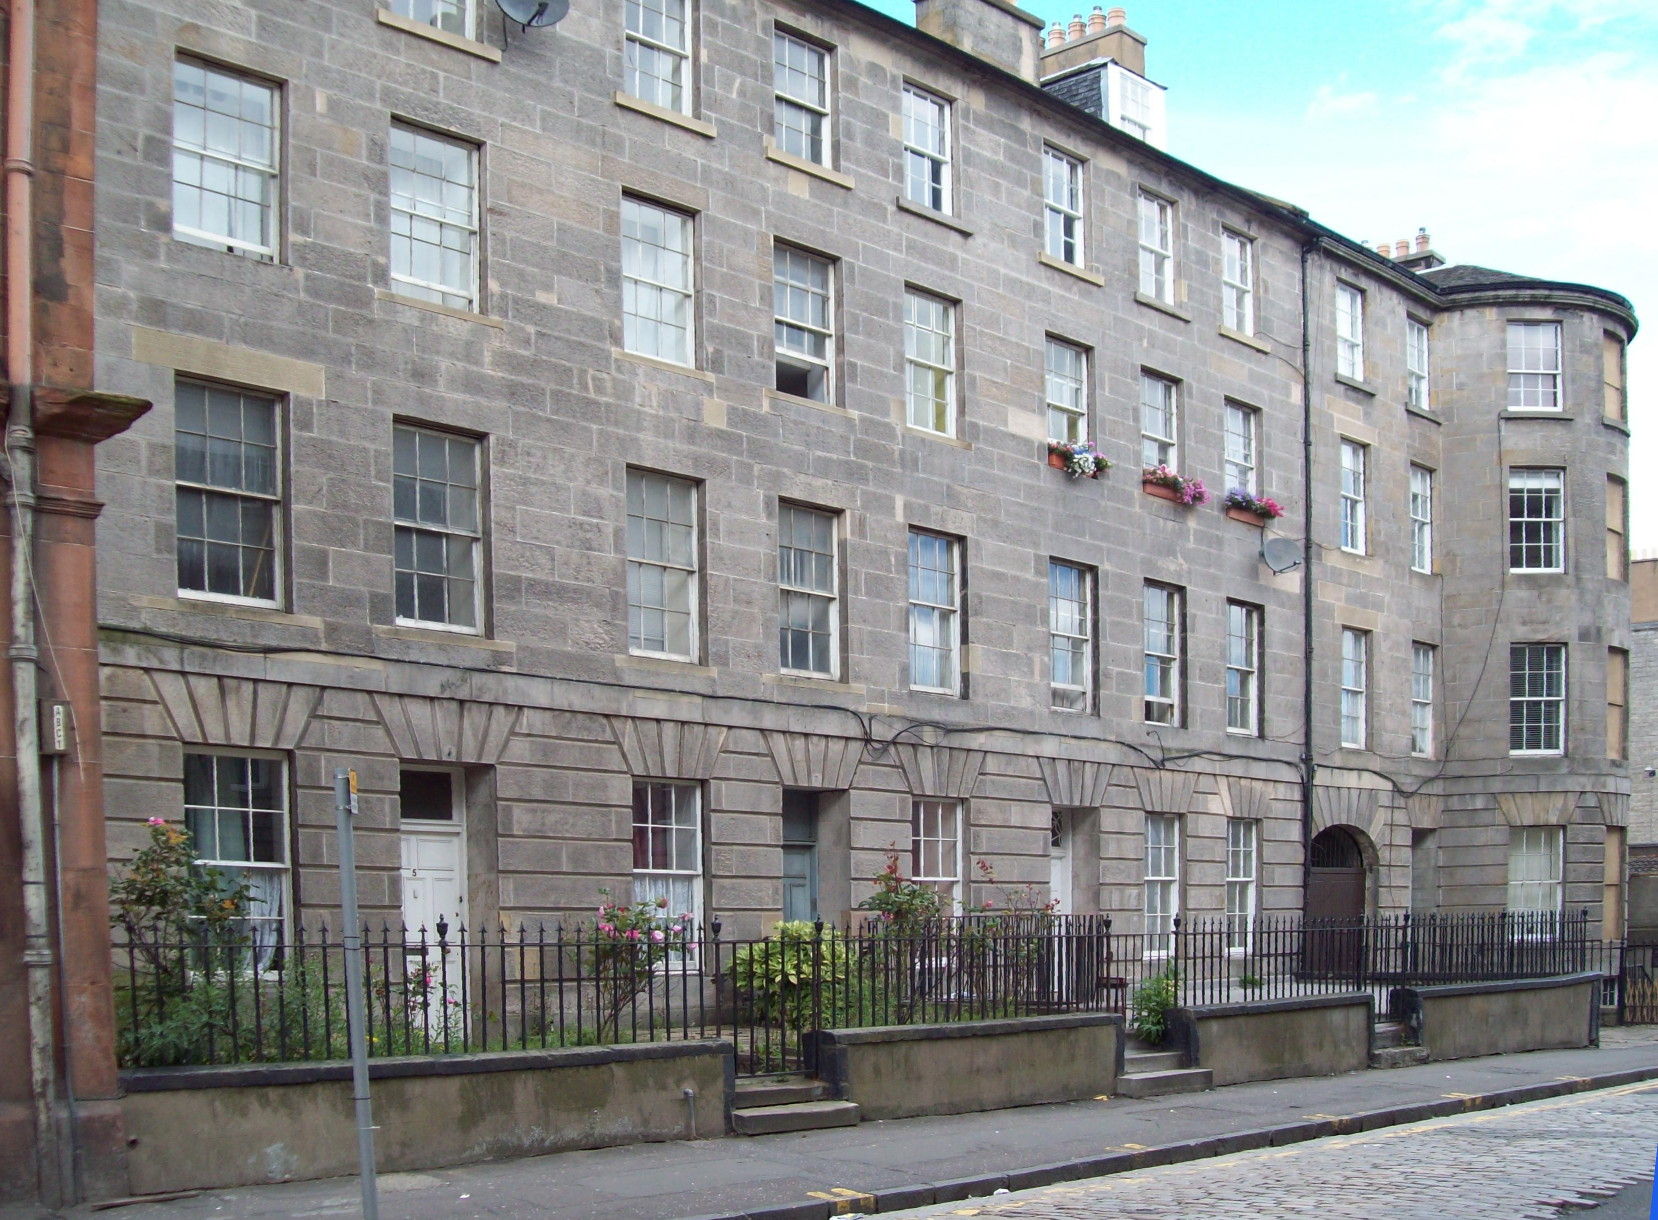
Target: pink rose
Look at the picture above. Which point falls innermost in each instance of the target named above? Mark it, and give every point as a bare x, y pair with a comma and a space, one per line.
633, 933
604, 927
657, 936
156, 822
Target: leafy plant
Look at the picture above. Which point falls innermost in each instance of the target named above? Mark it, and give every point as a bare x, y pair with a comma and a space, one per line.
1264, 507
1080, 459
1190, 491
1249, 981
798, 974
1150, 1005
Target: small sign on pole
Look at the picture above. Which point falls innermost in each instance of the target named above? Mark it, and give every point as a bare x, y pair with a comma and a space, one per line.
345, 809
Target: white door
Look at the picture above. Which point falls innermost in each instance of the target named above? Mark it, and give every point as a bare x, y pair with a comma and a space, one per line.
434, 890
1059, 863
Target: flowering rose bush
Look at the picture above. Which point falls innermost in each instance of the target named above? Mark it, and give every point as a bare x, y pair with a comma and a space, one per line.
900, 901
1190, 491
630, 940
1262, 506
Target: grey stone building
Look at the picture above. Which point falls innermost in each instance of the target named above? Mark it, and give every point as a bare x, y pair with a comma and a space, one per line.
626, 445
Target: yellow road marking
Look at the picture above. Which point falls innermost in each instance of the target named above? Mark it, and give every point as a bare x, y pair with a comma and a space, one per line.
845, 1200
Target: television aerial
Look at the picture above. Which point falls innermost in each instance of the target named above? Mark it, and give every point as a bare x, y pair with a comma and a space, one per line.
1281, 554
534, 14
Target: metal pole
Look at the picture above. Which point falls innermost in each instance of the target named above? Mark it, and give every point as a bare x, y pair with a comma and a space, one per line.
345, 806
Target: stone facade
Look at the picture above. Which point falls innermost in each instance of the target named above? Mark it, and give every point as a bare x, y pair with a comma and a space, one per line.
546, 719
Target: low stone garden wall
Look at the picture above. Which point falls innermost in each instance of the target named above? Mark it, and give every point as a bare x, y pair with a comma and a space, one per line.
1319, 1035
1469, 1019
898, 1071
200, 1128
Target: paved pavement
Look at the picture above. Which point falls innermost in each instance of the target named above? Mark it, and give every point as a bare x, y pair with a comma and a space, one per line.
898, 1164
1524, 1162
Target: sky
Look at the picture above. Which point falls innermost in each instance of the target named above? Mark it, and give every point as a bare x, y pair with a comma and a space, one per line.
1522, 134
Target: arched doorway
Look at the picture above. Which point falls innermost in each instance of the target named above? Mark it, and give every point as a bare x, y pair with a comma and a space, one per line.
1336, 882
1333, 911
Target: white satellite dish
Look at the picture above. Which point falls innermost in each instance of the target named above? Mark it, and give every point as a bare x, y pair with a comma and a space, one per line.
1281, 554
534, 14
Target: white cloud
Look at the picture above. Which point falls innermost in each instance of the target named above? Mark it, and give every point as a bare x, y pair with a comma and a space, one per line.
1329, 102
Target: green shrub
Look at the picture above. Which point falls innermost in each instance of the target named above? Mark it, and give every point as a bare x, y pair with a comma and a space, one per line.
1150, 1005
789, 974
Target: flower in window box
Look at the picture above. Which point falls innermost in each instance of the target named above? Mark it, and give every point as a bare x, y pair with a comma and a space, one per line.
1079, 459
1264, 507
1186, 491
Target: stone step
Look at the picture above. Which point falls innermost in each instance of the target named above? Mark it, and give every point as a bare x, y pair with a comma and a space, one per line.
1398, 1056
1140, 1062
1385, 1034
1164, 1084
783, 1091
797, 1116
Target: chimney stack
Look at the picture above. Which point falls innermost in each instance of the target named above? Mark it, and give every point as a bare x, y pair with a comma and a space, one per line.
1102, 35
1419, 256
996, 31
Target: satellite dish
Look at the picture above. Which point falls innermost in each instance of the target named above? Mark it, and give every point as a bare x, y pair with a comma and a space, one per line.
1281, 554
534, 14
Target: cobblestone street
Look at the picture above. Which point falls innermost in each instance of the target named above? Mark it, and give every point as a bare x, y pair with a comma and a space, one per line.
1517, 1163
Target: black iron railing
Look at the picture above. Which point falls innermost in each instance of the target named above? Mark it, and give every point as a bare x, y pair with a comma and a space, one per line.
458, 990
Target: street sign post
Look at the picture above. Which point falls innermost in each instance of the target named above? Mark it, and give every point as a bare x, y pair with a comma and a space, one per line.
345, 808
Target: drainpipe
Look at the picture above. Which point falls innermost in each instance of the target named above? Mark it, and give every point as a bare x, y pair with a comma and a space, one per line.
22, 652
1308, 768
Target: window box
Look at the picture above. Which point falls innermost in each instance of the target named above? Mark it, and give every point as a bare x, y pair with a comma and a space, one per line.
1079, 459
1243, 505
1165, 484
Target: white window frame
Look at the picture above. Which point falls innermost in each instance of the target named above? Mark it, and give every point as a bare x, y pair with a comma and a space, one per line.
1535, 366
659, 269
1243, 430
1537, 686
1159, 421
800, 122
936, 849
1355, 688
1063, 207
1421, 518
1423, 663
1243, 865
1243, 668
461, 539
1237, 282
676, 809
928, 172
433, 211
254, 170
929, 357
1163, 632
1071, 635
457, 17
1355, 464
664, 548
649, 44
1418, 393
268, 929
215, 484
1161, 904
1065, 384
1536, 860
1349, 331
803, 324
1536, 519
1156, 229
808, 584
935, 610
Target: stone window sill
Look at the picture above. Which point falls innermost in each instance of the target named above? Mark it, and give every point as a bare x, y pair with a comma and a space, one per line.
773, 153
667, 366
778, 396
1363, 387
1174, 311
257, 614
431, 635
934, 215
939, 437
420, 29
1237, 336
674, 117
803, 682
1551, 416
665, 665
1082, 273
448, 311
1421, 414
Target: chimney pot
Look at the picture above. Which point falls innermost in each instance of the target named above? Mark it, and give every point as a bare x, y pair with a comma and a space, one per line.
1096, 21
1385, 249
1078, 28
1056, 35
1117, 17
1422, 242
